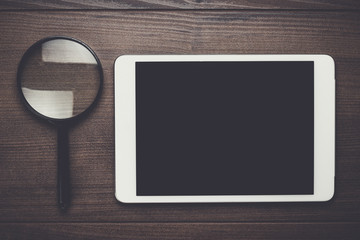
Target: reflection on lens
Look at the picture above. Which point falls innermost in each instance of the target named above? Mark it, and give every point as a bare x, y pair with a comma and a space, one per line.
60, 78
53, 104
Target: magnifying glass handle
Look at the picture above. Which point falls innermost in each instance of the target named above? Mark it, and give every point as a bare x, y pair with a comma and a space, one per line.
63, 183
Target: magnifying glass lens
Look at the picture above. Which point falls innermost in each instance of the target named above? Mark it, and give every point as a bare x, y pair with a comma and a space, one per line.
60, 78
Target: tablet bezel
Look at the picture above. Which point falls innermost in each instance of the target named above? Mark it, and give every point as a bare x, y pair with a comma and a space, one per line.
125, 129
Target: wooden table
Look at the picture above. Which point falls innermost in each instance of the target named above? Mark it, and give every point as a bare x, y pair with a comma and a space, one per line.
28, 208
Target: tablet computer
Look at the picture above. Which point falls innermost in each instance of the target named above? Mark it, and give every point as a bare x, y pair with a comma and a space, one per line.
224, 128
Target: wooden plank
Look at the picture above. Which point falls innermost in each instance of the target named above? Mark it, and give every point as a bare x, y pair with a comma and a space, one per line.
179, 4
179, 231
28, 146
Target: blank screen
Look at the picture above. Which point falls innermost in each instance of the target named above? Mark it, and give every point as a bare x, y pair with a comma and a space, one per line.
224, 128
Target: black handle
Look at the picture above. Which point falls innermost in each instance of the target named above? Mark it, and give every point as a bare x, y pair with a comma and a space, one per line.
63, 183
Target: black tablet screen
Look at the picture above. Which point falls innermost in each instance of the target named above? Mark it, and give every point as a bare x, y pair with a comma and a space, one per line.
224, 128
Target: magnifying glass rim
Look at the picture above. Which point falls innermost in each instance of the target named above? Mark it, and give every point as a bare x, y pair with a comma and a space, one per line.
22, 63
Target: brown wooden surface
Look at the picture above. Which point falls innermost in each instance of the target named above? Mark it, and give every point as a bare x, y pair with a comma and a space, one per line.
180, 231
28, 206
179, 4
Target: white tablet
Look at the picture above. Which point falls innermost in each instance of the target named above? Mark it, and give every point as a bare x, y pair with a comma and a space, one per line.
224, 128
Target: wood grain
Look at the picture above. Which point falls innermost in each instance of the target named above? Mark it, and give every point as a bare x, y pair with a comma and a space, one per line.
179, 4
55, 231
28, 208
28, 147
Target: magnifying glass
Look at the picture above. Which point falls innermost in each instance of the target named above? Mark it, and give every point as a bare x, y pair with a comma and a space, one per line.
60, 80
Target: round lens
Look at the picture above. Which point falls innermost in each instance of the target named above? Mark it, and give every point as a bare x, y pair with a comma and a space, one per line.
60, 78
